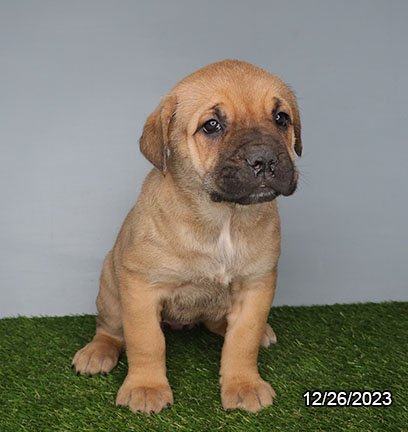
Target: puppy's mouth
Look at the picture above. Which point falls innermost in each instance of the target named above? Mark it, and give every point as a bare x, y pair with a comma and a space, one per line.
259, 196
244, 190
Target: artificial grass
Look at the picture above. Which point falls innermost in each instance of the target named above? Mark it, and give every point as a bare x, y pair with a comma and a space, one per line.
340, 347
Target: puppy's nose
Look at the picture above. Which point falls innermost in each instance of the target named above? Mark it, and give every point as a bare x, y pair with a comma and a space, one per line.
262, 160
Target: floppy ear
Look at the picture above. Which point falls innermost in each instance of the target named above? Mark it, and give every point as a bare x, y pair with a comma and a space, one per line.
298, 135
296, 124
155, 137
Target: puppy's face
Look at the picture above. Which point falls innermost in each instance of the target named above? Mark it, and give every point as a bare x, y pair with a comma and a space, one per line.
237, 126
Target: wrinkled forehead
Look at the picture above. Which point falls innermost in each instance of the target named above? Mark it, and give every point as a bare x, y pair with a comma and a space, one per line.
243, 99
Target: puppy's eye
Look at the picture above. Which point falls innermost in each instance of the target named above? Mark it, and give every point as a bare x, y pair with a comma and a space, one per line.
212, 126
282, 119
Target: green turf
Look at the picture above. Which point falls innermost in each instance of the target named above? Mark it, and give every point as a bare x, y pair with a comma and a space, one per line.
340, 347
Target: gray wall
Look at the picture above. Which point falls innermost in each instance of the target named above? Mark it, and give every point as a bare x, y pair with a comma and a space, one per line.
78, 79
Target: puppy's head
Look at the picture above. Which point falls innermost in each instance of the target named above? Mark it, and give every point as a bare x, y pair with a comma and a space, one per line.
236, 126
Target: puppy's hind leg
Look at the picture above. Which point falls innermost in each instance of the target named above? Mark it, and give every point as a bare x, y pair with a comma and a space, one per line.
217, 327
220, 327
102, 353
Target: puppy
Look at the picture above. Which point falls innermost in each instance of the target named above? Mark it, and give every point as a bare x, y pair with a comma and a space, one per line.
202, 242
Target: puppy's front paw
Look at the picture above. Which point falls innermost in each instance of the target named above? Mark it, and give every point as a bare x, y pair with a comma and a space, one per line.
248, 395
144, 397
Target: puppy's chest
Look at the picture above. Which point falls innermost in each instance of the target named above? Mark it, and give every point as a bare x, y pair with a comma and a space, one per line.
204, 290
216, 257
226, 255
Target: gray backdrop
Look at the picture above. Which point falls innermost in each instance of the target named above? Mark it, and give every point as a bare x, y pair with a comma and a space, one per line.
78, 79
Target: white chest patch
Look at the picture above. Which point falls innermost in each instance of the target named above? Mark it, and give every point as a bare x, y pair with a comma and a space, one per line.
225, 253
225, 245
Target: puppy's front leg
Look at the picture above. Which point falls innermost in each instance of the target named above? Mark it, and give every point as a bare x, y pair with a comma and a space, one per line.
241, 384
145, 388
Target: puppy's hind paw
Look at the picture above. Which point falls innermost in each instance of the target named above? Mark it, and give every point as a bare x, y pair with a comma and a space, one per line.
269, 337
